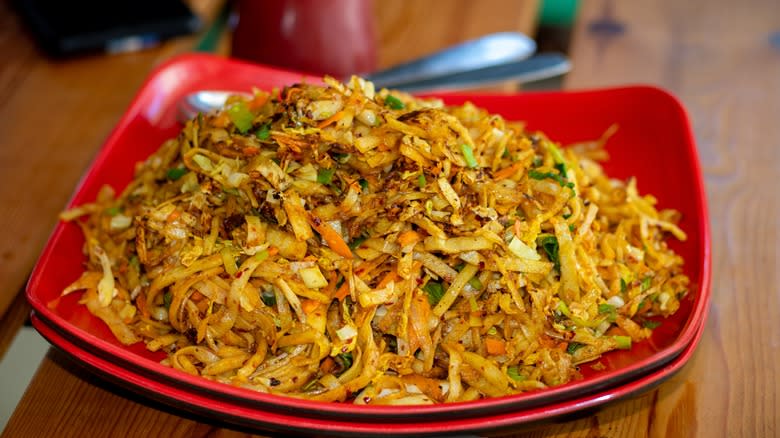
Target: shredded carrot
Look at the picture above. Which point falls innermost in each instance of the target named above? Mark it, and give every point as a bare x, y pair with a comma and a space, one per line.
332, 278
173, 216
257, 101
508, 171
331, 237
332, 119
222, 120
517, 230
196, 296
251, 150
140, 303
327, 365
409, 237
495, 346
390, 276
309, 306
342, 291
272, 250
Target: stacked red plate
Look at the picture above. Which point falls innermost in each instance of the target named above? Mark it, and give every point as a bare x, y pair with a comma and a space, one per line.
654, 143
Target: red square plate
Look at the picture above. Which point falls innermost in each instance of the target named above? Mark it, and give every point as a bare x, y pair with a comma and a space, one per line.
654, 143
249, 416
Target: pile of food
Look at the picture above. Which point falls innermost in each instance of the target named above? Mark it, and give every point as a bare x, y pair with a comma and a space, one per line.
336, 243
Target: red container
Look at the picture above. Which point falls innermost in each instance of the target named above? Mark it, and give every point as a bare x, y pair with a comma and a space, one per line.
334, 37
654, 143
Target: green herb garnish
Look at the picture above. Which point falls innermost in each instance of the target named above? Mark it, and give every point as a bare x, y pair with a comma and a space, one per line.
468, 155
394, 102
435, 291
550, 245
264, 132
176, 173
325, 176
240, 115
574, 346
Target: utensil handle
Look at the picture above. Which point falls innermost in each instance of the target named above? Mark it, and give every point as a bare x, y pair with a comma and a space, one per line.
473, 54
538, 67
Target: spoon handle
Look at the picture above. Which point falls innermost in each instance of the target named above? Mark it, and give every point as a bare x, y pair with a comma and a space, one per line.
481, 52
535, 68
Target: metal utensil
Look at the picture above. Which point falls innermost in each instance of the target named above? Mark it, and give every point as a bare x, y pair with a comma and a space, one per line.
535, 68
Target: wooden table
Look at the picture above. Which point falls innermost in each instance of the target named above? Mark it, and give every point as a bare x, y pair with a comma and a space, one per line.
720, 58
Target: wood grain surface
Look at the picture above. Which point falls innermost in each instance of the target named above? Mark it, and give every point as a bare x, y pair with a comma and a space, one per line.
721, 58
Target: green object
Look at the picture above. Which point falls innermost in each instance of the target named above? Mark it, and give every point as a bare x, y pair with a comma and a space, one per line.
650, 324
535, 174
268, 297
421, 180
435, 291
574, 346
475, 283
167, 299
393, 102
113, 211
325, 176
264, 132
356, 242
559, 13
176, 173
468, 155
240, 115
514, 373
623, 342
550, 245
646, 283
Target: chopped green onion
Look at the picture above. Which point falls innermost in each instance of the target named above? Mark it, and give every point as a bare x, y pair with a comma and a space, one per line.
475, 283
356, 242
506, 153
113, 211
574, 346
240, 115
363, 184
345, 360
393, 102
262, 255
342, 158
468, 155
325, 176
623, 285
623, 342
535, 174
514, 373
421, 180
557, 157
264, 132
492, 331
549, 243
167, 299
572, 227
609, 310
646, 283
268, 297
537, 161
176, 173
651, 324
435, 291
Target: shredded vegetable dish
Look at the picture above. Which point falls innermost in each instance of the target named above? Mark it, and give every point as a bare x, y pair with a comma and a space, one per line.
333, 242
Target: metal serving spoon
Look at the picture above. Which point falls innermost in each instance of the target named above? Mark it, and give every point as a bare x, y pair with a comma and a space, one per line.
527, 70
